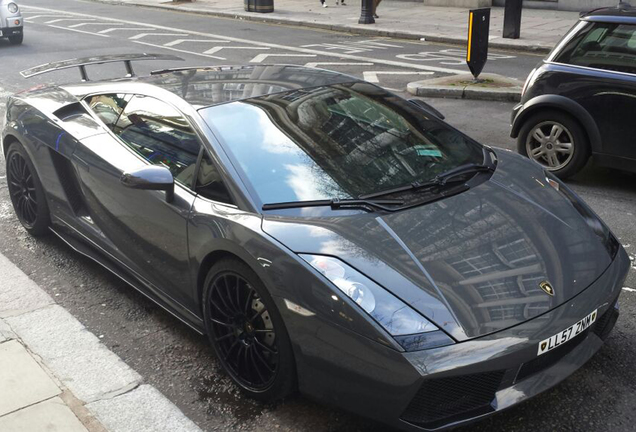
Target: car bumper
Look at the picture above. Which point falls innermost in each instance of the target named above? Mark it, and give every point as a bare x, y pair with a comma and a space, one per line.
448, 386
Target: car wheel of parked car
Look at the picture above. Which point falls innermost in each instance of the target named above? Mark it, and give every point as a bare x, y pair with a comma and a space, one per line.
25, 189
247, 331
16, 40
556, 141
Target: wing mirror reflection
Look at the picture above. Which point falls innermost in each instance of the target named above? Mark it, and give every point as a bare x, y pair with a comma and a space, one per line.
151, 178
426, 107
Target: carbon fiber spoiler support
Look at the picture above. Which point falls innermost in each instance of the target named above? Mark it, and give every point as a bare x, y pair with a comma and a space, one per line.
81, 63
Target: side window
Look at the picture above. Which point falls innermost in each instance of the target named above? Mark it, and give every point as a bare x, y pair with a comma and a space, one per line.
605, 46
209, 183
107, 107
161, 135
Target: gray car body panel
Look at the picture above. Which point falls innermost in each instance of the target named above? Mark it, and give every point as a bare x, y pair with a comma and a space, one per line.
342, 355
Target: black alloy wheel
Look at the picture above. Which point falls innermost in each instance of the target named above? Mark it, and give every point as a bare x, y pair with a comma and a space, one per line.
247, 332
25, 189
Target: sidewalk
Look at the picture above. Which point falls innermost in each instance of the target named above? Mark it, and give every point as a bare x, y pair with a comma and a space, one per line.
540, 29
57, 376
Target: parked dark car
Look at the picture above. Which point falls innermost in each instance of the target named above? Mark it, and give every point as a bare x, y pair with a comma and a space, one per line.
326, 234
581, 100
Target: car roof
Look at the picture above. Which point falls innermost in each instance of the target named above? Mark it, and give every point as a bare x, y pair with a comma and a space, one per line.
206, 86
623, 11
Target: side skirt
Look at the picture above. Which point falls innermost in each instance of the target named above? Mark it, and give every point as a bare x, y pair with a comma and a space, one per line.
101, 257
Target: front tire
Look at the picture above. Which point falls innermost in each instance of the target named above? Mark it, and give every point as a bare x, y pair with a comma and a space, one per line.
556, 141
26, 191
17, 39
247, 331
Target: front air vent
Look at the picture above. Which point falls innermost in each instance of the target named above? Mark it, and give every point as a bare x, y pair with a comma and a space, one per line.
443, 401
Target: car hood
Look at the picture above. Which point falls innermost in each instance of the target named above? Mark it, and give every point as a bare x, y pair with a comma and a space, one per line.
471, 263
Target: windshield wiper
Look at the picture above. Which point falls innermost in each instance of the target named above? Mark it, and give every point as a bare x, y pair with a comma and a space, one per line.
438, 181
336, 204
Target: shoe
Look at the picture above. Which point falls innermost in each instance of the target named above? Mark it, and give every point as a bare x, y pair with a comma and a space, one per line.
375, 16
324, 5
342, 3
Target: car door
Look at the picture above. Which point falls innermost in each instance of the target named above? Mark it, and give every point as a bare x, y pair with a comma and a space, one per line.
604, 81
147, 233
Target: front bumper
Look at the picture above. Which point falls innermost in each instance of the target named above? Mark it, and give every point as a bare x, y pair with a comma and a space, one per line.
11, 26
448, 386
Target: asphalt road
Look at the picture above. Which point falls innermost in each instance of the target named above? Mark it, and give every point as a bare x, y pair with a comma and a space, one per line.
180, 363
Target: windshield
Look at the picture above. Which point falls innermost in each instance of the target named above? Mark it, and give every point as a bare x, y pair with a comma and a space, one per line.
340, 141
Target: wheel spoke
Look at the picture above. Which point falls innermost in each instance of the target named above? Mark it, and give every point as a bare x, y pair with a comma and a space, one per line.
265, 347
263, 361
538, 135
256, 367
563, 147
215, 306
537, 152
552, 160
219, 322
555, 132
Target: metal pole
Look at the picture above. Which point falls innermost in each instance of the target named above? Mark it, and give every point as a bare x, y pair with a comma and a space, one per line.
366, 13
512, 19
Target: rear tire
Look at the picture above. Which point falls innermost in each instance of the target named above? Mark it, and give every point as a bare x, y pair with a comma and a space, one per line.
247, 331
556, 141
26, 191
17, 39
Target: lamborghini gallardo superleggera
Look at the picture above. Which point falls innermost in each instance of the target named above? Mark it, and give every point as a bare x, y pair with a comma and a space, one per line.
326, 234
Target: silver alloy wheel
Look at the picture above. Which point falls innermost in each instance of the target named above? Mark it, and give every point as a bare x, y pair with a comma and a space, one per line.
551, 144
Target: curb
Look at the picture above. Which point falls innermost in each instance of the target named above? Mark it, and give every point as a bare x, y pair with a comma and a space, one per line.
500, 95
103, 384
460, 87
360, 29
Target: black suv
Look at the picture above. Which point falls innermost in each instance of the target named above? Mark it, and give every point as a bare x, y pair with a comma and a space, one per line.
581, 100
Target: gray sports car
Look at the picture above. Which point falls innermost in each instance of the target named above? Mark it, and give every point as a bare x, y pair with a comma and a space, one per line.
327, 235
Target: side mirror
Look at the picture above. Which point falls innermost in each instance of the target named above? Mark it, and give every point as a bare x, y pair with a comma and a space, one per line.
151, 178
426, 107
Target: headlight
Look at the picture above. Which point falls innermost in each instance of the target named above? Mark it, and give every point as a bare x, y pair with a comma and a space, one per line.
409, 328
13, 8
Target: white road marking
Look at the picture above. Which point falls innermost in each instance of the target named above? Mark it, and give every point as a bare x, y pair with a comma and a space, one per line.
372, 76
313, 65
348, 49
78, 31
179, 50
180, 41
219, 48
374, 42
259, 58
124, 29
47, 16
143, 35
266, 44
629, 289
89, 23
67, 19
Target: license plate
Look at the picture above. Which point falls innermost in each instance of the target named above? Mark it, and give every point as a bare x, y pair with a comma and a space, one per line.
569, 333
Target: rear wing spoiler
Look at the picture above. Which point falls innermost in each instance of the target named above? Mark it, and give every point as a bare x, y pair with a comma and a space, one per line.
81, 63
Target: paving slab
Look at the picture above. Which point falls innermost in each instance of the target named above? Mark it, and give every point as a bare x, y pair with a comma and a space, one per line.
143, 409
23, 382
74, 355
18, 293
49, 416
